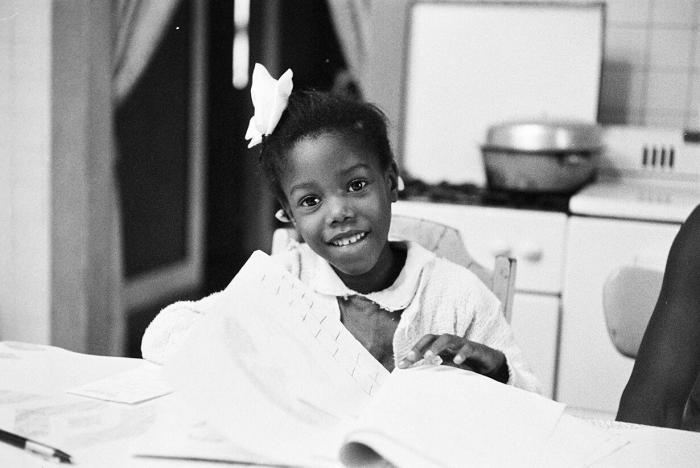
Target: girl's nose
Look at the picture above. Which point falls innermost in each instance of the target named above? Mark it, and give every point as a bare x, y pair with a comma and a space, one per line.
339, 210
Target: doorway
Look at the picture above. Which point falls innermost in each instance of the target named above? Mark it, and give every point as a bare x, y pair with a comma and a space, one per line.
238, 207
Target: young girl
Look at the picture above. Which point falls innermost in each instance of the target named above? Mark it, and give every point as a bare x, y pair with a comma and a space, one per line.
330, 165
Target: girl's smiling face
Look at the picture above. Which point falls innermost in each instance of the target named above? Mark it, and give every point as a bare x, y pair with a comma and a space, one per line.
339, 199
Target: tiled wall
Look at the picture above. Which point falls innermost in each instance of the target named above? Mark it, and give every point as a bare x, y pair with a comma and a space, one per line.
651, 71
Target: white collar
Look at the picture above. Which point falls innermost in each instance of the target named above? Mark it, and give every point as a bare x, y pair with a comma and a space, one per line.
396, 297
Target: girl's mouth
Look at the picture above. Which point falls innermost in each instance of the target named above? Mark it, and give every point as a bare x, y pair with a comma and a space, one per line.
349, 240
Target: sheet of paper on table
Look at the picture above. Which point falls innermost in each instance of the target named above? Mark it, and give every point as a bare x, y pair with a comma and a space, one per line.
42, 369
144, 383
70, 422
35, 403
280, 378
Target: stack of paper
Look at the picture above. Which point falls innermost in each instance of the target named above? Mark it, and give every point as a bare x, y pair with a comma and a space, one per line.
276, 378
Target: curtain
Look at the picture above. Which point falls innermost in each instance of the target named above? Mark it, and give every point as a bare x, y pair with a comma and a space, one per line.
138, 29
351, 19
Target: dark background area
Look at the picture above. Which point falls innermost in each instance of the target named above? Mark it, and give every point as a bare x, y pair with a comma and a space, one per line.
152, 134
236, 191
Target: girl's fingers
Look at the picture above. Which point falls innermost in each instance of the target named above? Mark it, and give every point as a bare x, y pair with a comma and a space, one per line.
464, 352
441, 344
429, 345
416, 353
467, 354
483, 356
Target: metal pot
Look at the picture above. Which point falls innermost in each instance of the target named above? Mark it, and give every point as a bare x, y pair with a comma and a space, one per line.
541, 156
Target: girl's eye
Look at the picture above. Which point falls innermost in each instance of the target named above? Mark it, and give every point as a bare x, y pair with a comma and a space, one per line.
357, 185
309, 201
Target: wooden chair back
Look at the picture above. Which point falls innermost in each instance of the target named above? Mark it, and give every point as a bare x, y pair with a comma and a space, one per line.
446, 242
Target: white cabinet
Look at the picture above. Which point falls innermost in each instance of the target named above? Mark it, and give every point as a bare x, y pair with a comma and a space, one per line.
592, 373
535, 324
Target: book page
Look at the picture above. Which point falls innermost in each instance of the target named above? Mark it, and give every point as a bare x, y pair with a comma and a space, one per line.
180, 434
272, 368
444, 416
578, 443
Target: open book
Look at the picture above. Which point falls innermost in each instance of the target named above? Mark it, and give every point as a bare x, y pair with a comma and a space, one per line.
273, 372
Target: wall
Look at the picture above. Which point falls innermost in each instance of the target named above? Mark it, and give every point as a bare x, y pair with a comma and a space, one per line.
651, 73
85, 254
25, 137
651, 69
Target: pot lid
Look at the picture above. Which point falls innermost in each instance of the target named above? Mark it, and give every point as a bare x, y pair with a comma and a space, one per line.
545, 135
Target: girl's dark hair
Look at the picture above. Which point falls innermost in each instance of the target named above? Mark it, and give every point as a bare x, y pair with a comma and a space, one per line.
310, 114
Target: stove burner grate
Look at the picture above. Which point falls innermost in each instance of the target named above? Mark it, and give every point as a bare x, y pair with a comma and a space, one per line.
470, 194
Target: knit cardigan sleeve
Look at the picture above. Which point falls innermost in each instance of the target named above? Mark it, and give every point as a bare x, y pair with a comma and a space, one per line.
490, 328
169, 329
453, 300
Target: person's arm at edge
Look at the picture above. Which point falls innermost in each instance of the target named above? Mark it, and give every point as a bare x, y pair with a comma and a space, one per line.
669, 355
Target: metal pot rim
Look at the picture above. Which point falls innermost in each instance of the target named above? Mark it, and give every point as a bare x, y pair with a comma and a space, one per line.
544, 136
544, 152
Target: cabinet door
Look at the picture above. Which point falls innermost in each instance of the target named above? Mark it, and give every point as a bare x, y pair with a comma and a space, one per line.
535, 323
592, 372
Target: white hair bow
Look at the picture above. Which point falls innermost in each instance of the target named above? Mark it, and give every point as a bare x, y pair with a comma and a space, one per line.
270, 98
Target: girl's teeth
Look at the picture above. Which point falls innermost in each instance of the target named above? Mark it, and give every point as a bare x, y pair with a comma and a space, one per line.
349, 240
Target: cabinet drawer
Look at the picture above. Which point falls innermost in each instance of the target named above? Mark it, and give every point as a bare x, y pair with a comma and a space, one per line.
534, 238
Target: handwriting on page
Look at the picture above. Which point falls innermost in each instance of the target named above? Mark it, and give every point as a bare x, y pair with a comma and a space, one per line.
333, 338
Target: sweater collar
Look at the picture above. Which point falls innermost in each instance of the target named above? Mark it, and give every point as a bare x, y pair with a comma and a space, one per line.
396, 297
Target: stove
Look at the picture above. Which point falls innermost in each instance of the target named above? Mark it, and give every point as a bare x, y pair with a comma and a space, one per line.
645, 174
637, 199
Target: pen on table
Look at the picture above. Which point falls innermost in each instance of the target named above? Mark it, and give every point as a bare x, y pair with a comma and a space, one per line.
34, 446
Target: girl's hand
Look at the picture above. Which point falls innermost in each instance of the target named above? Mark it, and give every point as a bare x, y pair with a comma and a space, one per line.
459, 352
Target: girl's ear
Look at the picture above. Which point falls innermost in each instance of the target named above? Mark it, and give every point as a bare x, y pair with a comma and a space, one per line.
391, 176
282, 216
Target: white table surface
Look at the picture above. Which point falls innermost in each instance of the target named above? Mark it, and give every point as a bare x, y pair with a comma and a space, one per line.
51, 371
